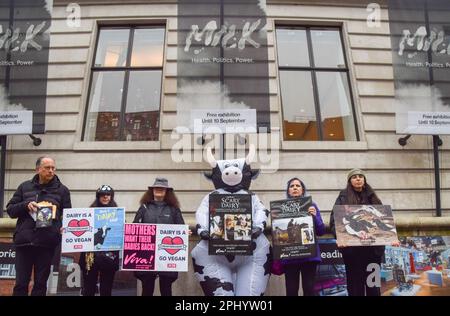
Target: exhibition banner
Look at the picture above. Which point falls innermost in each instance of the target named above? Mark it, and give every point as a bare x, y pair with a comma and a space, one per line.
24, 54
292, 229
222, 63
420, 41
419, 267
331, 279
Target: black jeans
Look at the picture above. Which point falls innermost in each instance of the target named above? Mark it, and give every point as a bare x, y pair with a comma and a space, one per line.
356, 262
90, 281
27, 258
165, 285
292, 278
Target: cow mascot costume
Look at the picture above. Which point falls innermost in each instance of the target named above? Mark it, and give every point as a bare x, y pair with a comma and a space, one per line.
228, 275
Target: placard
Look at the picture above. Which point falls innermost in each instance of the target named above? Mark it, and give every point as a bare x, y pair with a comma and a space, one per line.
292, 229
364, 225
93, 229
230, 224
155, 247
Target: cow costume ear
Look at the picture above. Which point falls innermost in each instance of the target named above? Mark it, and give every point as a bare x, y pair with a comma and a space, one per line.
208, 175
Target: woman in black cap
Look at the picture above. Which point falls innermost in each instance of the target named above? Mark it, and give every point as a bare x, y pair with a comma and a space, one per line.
103, 264
357, 259
159, 205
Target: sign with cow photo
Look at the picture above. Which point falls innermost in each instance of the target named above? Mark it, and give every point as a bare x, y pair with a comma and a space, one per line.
230, 224
92, 229
292, 229
364, 225
155, 247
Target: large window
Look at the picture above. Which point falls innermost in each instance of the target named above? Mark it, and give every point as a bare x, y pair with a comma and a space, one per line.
315, 87
125, 87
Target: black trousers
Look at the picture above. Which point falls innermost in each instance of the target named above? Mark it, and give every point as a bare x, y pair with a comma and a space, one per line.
356, 263
165, 285
292, 278
90, 281
29, 258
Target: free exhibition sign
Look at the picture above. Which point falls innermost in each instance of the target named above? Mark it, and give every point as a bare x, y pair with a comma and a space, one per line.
16, 122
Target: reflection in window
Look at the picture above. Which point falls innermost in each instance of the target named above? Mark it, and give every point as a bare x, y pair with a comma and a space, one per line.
314, 81
299, 115
124, 98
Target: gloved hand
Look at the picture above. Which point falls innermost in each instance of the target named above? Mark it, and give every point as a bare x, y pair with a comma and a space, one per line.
204, 235
256, 232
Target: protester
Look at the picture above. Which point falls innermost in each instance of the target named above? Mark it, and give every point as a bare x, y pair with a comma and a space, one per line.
159, 205
307, 266
357, 259
35, 246
229, 274
100, 265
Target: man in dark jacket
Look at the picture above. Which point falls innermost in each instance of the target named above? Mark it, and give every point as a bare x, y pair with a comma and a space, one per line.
35, 246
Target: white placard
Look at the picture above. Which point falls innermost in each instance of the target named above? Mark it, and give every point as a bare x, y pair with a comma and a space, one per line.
172, 247
16, 122
429, 123
227, 121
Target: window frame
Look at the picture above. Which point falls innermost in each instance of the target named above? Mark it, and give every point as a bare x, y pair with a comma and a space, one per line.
313, 70
132, 27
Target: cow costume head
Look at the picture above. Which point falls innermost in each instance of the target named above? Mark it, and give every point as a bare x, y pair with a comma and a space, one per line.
231, 175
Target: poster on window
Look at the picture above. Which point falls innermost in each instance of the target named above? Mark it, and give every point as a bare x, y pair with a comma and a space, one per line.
420, 39
230, 224
364, 225
155, 247
419, 267
93, 229
24, 54
292, 229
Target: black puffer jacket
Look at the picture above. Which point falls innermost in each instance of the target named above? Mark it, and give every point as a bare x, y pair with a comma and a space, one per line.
26, 233
158, 213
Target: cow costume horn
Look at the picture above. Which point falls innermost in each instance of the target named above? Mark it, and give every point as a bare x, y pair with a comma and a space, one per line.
210, 158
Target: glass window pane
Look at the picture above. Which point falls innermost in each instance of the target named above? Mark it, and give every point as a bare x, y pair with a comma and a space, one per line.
292, 48
336, 106
102, 123
327, 48
142, 110
112, 48
148, 47
299, 116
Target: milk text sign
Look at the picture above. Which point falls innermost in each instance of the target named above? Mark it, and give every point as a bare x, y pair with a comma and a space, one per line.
93, 229
155, 247
420, 43
16, 122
